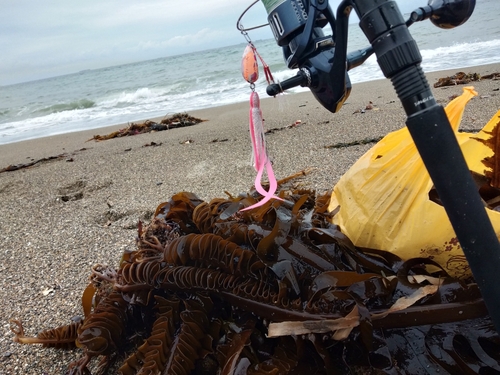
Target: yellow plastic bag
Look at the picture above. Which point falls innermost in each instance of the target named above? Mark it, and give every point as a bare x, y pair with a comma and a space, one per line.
382, 202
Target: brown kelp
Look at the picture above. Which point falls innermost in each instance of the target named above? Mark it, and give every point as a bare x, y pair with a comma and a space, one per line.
67, 156
178, 120
278, 289
462, 78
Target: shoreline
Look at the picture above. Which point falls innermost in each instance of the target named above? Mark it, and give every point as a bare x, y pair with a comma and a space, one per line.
213, 113
60, 217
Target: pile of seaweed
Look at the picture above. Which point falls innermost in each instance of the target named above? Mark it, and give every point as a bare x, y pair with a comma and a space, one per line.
277, 289
178, 120
462, 78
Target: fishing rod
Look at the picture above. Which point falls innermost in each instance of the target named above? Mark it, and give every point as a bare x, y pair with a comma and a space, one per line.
323, 64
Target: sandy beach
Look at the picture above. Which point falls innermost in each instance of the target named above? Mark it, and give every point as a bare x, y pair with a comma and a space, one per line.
59, 217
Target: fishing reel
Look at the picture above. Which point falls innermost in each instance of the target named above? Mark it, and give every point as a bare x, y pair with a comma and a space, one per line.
297, 26
323, 61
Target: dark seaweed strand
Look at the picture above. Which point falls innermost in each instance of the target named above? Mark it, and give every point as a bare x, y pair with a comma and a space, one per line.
62, 337
151, 356
192, 341
103, 332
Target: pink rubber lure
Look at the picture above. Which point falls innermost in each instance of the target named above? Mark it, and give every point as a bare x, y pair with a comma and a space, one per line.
261, 159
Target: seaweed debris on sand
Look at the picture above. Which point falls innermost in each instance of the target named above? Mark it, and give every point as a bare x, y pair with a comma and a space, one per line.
278, 289
462, 78
178, 120
15, 167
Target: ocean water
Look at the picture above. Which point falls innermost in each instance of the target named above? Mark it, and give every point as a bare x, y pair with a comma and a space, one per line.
119, 94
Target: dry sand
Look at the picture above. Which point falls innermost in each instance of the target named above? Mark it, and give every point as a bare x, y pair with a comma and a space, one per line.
60, 217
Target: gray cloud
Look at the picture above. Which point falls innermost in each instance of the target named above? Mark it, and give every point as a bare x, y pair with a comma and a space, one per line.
41, 39
53, 37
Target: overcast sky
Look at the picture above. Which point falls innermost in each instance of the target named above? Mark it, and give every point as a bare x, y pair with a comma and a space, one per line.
40, 39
